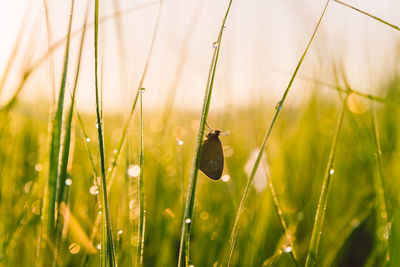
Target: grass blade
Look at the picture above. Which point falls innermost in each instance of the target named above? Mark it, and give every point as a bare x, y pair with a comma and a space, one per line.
49, 205
235, 229
369, 15
321, 209
279, 212
383, 228
183, 259
142, 218
109, 243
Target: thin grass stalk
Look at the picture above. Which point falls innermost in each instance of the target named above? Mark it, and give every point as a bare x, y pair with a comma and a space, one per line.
383, 229
115, 158
142, 218
183, 259
278, 107
312, 253
279, 212
369, 15
350, 90
109, 244
49, 202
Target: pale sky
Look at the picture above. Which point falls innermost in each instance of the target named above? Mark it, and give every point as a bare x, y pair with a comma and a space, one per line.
261, 46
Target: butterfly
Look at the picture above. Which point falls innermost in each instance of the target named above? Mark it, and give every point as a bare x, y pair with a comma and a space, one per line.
212, 157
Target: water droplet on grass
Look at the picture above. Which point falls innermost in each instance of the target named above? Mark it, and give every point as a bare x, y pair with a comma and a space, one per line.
215, 44
188, 220
68, 182
225, 178
38, 167
332, 171
120, 232
74, 248
287, 249
133, 170
94, 190
179, 142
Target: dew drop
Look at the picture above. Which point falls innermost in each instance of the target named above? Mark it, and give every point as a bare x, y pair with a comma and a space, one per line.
215, 44
120, 232
38, 167
332, 171
94, 190
179, 142
88, 140
98, 246
288, 249
74, 248
133, 171
225, 178
68, 182
278, 106
188, 220
27, 186
115, 151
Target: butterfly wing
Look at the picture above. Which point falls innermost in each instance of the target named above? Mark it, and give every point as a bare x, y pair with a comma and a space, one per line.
212, 158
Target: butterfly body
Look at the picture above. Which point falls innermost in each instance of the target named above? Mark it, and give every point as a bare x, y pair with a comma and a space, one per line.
212, 157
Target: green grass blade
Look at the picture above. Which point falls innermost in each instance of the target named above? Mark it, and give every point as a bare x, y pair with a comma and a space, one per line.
109, 244
191, 191
49, 204
142, 218
235, 229
383, 228
279, 213
369, 15
322, 203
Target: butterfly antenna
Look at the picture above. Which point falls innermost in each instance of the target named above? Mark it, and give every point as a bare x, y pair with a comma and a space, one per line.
209, 127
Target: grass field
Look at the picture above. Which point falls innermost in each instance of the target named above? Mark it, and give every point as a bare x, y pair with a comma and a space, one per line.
311, 184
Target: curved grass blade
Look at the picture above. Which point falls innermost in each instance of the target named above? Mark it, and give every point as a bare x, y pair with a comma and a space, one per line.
183, 259
322, 203
235, 229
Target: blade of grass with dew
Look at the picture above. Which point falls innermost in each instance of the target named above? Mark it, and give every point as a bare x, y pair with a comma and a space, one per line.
232, 239
115, 156
369, 15
322, 203
142, 218
279, 212
383, 229
109, 246
183, 259
49, 201
67, 136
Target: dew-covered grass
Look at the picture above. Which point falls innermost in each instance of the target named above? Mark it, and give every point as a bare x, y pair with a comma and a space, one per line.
317, 187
